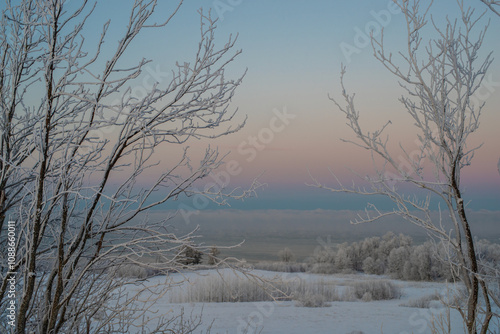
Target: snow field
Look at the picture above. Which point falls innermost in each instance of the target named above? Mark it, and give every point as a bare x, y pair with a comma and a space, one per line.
344, 313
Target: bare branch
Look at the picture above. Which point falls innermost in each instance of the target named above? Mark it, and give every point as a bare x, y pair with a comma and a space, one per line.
439, 77
73, 164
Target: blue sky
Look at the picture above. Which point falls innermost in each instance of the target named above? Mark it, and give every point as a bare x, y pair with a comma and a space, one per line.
293, 51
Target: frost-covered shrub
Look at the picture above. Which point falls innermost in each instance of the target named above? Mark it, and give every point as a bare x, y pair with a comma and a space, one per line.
131, 271
421, 258
380, 267
347, 259
305, 290
397, 260
286, 255
348, 295
282, 267
378, 290
488, 252
311, 300
423, 263
213, 256
410, 272
342, 259
370, 266
323, 268
489, 263
190, 255
324, 255
422, 302
217, 289
323, 261
367, 297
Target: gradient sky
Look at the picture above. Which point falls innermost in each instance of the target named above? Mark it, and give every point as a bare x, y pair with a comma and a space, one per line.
292, 50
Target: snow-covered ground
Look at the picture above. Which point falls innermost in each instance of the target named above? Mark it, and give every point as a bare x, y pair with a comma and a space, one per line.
342, 317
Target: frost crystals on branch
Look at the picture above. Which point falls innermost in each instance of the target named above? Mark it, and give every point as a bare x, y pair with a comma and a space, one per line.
493, 5
439, 78
81, 218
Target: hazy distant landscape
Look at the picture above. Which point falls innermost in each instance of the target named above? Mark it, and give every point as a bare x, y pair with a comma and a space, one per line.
265, 232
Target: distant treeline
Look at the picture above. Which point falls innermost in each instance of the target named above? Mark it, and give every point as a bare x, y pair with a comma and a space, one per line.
396, 256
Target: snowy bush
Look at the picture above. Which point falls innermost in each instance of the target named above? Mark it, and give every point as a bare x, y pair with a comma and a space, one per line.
422, 302
323, 268
218, 289
397, 260
304, 290
367, 297
131, 271
343, 259
213, 256
421, 258
377, 290
308, 300
286, 255
282, 267
305, 293
324, 256
370, 266
190, 255
221, 288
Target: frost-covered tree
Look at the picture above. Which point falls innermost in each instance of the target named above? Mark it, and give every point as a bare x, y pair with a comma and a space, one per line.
76, 143
439, 74
286, 255
342, 259
421, 258
397, 259
213, 256
374, 267
190, 255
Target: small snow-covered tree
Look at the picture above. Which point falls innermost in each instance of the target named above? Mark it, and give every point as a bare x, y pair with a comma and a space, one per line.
286, 255
213, 256
369, 265
190, 255
421, 258
370, 247
397, 260
342, 259
77, 142
440, 76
